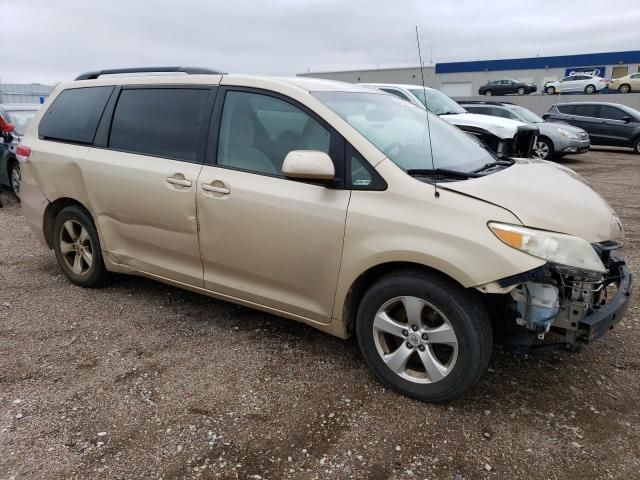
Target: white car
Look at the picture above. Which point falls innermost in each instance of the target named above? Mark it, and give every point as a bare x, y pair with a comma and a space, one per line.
580, 82
504, 136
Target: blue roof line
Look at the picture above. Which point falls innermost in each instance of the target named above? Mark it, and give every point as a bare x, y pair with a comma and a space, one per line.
560, 61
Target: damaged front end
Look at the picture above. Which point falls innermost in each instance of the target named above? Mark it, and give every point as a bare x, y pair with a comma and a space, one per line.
577, 306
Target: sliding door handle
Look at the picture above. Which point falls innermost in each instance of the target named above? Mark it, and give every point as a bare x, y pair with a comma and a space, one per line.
215, 189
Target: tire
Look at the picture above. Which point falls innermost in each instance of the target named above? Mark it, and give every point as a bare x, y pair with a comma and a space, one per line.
545, 146
521, 91
550, 90
14, 177
465, 326
489, 93
636, 146
624, 88
81, 261
589, 89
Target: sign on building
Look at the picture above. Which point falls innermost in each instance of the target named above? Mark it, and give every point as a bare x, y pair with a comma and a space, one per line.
597, 71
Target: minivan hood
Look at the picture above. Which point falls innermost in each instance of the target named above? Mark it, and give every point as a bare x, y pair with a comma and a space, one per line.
500, 127
547, 196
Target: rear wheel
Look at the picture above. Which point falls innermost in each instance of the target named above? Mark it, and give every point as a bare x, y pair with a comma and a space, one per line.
544, 148
624, 88
550, 90
77, 247
590, 89
489, 93
521, 91
423, 335
15, 178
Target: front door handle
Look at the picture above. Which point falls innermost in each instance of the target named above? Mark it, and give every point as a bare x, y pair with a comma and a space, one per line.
182, 182
216, 188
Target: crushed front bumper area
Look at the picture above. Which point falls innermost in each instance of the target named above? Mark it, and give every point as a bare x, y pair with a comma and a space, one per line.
603, 317
578, 306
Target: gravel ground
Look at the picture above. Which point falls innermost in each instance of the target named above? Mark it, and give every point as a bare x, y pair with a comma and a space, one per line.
142, 380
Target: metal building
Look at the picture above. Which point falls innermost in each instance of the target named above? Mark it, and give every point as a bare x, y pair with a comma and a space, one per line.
24, 93
462, 79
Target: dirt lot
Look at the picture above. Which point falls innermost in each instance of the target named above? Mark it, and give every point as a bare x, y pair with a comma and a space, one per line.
143, 380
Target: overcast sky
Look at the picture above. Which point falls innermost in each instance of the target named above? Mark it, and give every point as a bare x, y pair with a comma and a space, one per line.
50, 40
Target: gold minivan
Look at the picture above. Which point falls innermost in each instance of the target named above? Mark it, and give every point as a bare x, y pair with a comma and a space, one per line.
341, 207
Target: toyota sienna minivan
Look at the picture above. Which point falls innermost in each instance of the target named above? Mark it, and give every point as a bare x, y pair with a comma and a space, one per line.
327, 203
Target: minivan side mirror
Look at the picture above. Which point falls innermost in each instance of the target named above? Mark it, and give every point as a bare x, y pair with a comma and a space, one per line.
627, 118
308, 165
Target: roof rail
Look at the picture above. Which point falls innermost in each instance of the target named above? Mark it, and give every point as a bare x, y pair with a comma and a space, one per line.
111, 71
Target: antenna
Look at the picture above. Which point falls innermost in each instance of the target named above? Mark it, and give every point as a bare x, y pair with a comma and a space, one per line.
426, 112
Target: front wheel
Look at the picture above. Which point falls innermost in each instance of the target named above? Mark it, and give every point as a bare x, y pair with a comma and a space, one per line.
77, 247
423, 335
521, 91
15, 178
636, 147
543, 148
590, 89
488, 93
550, 90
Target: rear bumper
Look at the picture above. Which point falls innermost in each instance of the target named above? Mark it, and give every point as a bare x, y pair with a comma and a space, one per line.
604, 317
34, 204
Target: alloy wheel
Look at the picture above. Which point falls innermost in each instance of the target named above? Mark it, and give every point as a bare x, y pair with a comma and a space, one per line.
541, 149
76, 247
16, 178
415, 339
488, 93
521, 91
590, 89
625, 88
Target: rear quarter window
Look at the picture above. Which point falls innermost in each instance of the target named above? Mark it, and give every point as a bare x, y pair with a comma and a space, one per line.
568, 109
74, 115
587, 110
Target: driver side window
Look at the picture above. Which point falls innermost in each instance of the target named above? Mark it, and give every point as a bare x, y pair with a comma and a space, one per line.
258, 131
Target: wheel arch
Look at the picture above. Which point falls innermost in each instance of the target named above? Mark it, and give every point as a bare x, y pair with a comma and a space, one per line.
367, 278
52, 211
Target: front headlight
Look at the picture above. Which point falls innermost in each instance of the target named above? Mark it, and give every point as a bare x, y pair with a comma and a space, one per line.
557, 248
567, 134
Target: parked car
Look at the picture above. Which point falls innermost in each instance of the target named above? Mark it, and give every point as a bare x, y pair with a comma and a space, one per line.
555, 140
321, 202
627, 84
504, 136
609, 124
15, 119
505, 87
576, 84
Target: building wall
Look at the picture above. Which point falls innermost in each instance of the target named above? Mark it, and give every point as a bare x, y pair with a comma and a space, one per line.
23, 93
410, 75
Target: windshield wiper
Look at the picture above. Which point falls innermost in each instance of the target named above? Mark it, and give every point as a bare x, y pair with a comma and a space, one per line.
449, 113
427, 172
498, 163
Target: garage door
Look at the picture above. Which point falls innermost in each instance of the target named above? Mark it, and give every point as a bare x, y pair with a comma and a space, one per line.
457, 89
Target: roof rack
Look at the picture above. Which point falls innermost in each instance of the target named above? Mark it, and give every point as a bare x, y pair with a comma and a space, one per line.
486, 102
111, 71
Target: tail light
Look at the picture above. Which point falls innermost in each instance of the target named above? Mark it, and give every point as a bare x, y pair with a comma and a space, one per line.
23, 153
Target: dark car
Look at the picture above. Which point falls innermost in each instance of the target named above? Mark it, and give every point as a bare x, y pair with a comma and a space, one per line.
14, 120
504, 87
608, 124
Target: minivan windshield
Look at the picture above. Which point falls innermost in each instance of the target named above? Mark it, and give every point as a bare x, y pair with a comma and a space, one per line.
399, 130
437, 102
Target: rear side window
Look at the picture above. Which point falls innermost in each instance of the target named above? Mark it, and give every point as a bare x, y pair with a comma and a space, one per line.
162, 122
74, 115
568, 109
586, 110
474, 109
